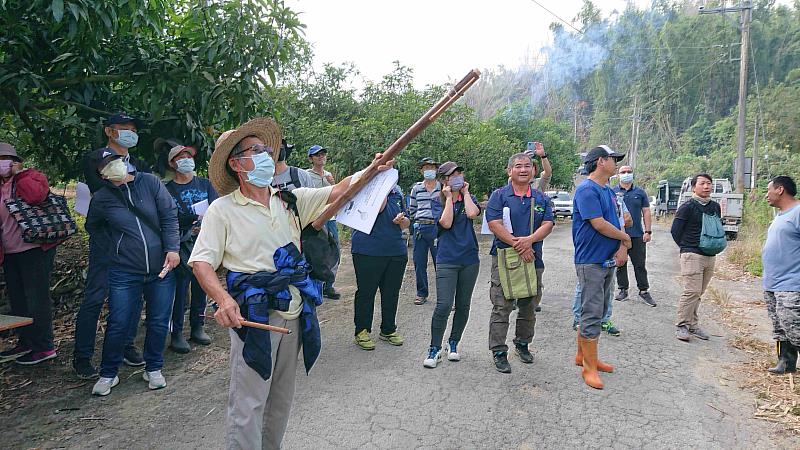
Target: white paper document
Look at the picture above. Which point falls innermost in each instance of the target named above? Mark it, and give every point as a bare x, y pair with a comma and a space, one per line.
362, 210
485, 225
82, 198
200, 208
507, 220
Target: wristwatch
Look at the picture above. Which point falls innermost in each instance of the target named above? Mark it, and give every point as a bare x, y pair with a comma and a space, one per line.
543, 156
648, 232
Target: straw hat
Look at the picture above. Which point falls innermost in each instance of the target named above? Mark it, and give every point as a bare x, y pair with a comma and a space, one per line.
263, 128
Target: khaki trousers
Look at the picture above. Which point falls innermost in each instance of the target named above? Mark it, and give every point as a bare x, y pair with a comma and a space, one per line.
258, 410
696, 273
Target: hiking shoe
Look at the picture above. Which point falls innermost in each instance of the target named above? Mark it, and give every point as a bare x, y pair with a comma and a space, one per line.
14, 353
199, 336
523, 353
32, 358
452, 351
132, 357
622, 295
609, 328
501, 362
178, 344
393, 338
363, 340
537, 309
84, 369
154, 379
575, 324
647, 298
682, 333
434, 356
104, 385
420, 300
331, 293
699, 333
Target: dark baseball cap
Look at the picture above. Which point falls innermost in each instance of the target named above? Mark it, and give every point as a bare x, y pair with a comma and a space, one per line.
316, 149
602, 151
428, 161
448, 168
120, 118
99, 158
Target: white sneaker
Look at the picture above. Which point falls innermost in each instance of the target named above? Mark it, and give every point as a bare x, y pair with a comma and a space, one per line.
154, 379
104, 385
452, 352
434, 356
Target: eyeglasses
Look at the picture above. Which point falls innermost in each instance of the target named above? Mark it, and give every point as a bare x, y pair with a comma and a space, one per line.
255, 149
625, 171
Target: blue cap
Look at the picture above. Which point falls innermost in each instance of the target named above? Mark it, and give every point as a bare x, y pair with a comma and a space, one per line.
120, 118
316, 149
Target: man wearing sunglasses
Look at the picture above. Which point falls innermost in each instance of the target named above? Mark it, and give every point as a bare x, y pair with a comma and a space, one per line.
252, 232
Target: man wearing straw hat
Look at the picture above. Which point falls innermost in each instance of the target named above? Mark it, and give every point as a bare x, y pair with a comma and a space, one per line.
253, 232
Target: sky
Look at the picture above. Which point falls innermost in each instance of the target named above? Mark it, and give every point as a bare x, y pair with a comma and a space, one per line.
441, 40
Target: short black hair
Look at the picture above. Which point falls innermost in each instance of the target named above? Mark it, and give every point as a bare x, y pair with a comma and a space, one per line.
703, 175
787, 183
590, 166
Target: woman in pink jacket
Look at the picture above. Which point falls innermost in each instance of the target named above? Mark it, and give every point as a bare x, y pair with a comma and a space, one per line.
26, 266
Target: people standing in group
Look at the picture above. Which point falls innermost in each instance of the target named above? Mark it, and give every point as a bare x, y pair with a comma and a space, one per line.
187, 189
457, 263
424, 209
26, 266
697, 262
260, 253
781, 275
318, 156
138, 216
600, 246
531, 218
379, 261
121, 131
638, 204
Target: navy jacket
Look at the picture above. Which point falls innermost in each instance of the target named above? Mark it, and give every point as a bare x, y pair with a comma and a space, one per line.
134, 246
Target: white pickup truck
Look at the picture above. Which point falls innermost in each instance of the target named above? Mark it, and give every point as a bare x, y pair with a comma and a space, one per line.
730, 203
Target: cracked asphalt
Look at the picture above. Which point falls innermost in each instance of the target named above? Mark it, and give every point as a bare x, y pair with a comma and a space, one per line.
663, 394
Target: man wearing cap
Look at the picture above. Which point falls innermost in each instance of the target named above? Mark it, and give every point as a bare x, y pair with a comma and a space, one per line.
638, 204
121, 131
26, 266
424, 209
520, 202
188, 190
600, 246
254, 233
318, 156
289, 178
139, 217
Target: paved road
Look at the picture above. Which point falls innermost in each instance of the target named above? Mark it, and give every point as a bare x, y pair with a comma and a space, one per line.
664, 394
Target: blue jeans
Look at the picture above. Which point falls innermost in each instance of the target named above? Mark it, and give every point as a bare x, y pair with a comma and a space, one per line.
334, 230
576, 305
424, 242
94, 295
196, 308
125, 292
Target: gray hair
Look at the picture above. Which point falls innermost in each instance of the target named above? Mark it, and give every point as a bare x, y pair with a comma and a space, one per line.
517, 156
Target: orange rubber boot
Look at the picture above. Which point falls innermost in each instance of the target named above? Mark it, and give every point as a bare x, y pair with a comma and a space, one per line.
601, 366
589, 353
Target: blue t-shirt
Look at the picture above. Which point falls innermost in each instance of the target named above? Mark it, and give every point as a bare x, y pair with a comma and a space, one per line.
186, 195
635, 199
386, 238
520, 213
781, 255
592, 201
458, 244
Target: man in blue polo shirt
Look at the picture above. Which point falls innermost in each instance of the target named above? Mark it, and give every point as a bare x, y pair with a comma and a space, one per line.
600, 245
518, 197
638, 204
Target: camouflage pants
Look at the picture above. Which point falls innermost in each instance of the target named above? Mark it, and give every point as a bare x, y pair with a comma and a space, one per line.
783, 309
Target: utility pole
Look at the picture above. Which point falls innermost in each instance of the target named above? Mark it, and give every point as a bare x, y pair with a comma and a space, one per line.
745, 8
634, 151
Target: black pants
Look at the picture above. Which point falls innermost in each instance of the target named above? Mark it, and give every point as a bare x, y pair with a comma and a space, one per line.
373, 273
28, 281
638, 256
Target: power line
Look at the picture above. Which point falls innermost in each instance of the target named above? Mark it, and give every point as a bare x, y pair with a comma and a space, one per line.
557, 17
679, 88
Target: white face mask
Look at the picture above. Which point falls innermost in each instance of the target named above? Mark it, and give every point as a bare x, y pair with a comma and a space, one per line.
185, 165
116, 170
626, 178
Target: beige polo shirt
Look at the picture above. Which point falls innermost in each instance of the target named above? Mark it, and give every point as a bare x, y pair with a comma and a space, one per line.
242, 235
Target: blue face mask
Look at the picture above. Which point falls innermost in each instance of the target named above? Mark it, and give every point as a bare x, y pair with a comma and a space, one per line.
127, 138
429, 174
263, 170
456, 182
185, 165
626, 178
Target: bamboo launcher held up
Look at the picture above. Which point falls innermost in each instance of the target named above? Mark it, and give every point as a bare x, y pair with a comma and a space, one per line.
448, 99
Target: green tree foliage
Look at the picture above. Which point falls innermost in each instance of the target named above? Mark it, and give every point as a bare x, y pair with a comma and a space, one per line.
189, 68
